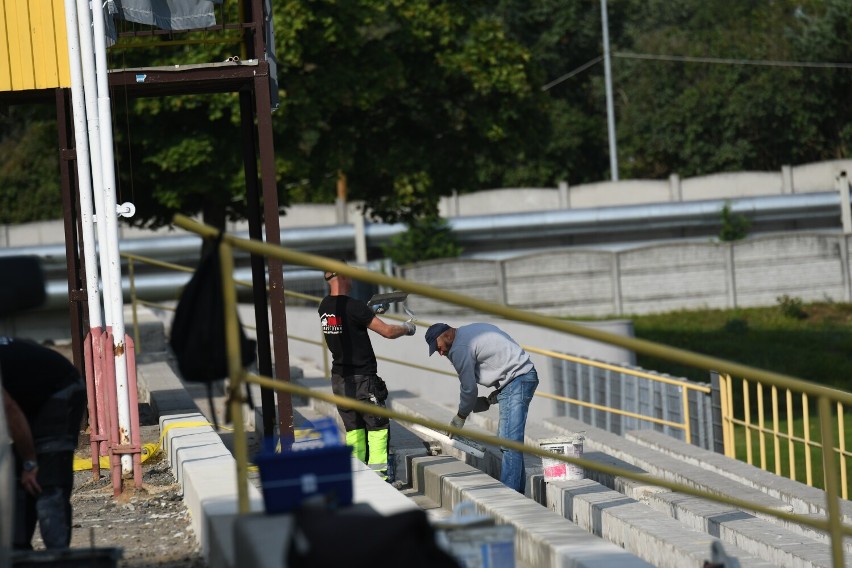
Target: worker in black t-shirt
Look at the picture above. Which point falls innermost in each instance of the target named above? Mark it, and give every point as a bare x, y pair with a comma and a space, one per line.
345, 321
44, 399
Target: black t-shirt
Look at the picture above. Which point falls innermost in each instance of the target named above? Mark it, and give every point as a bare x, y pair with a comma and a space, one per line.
344, 323
32, 373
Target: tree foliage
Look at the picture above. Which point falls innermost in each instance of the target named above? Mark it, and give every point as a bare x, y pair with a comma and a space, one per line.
415, 99
29, 165
426, 238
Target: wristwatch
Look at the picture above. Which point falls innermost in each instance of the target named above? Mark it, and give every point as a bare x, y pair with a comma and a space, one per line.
29, 465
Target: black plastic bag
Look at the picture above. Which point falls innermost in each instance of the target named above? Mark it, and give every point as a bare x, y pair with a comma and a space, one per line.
198, 328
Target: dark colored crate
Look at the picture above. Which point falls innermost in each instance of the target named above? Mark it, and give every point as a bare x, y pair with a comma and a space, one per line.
289, 478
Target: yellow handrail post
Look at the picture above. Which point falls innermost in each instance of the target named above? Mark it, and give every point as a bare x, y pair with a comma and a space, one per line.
841, 454
791, 446
723, 402
831, 481
731, 432
748, 429
687, 431
776, 441
809, 476
761, 435
235, 373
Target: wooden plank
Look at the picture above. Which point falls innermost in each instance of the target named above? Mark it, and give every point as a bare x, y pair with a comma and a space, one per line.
33, 45
41, 63
20, 46
5, 62
63, 69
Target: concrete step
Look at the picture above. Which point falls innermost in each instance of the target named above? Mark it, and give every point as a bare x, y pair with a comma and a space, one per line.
803, 498
649, 534
542, 538
660, 464
757, 536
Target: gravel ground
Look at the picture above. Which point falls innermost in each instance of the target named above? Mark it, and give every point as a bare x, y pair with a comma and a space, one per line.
150, 525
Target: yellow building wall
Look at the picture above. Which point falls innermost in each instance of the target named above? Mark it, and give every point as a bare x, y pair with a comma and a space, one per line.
33, 45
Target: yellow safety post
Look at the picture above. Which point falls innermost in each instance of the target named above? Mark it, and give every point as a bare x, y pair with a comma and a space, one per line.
791, 432
809, 476
761, 435
748, 428
831, 483
776, 440
687, 431
841, 441
235, 373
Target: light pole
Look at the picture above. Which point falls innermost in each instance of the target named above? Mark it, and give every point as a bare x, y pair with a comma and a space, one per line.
610, 112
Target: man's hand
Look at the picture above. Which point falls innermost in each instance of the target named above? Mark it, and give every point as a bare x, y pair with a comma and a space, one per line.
492, 398
481, 404
410, 328
29, 481
456, 422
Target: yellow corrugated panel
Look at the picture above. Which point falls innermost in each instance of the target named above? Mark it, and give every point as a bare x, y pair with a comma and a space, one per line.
33, 45
5, 67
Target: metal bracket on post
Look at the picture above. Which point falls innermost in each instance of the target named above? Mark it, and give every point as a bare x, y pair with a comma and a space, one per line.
125, 209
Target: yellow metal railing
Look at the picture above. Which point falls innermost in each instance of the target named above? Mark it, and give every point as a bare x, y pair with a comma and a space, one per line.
777, 430
833, 524
685, 387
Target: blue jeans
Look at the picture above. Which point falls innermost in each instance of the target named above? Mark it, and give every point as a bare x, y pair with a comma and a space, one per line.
514, 402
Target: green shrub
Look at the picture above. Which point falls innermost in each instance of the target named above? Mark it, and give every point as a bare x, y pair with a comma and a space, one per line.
427, 238
734, 227
736, 326
791, 307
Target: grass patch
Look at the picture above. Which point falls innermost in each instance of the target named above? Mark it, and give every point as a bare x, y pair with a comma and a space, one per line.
808, 341
798, 449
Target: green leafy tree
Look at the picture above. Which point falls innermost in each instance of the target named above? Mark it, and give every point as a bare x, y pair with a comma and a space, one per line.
414, 99
427, 238
410, 99
29, 165
700, 117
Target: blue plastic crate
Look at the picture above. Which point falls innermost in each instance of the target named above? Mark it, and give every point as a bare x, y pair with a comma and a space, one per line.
290, 477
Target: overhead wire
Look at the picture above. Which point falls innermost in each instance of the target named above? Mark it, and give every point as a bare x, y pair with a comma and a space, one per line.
731, 61
692, 59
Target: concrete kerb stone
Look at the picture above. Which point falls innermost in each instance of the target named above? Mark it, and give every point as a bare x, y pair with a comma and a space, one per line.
542, 538
661, 465
757, 536
803, 498
651, 535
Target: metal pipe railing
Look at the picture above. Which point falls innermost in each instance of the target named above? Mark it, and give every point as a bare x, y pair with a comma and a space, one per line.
686, 386
833, 524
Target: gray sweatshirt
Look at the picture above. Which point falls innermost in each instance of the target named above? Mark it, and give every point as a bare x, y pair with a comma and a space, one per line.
485, 354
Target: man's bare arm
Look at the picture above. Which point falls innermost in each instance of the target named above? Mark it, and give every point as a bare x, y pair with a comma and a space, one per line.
387, 330
22, 436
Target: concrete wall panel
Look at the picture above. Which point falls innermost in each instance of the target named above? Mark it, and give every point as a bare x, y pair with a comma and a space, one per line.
740, 184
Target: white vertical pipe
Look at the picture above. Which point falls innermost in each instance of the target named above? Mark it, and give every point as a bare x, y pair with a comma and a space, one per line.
81, 141
84, 22
610, 111
842, 184
360, 239
112, 280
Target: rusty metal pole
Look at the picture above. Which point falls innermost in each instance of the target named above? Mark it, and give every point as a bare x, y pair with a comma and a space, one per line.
258, 262
77, 303
263, 107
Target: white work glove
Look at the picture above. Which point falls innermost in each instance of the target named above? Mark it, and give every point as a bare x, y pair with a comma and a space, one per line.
456, 422
482, 404
410, 328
